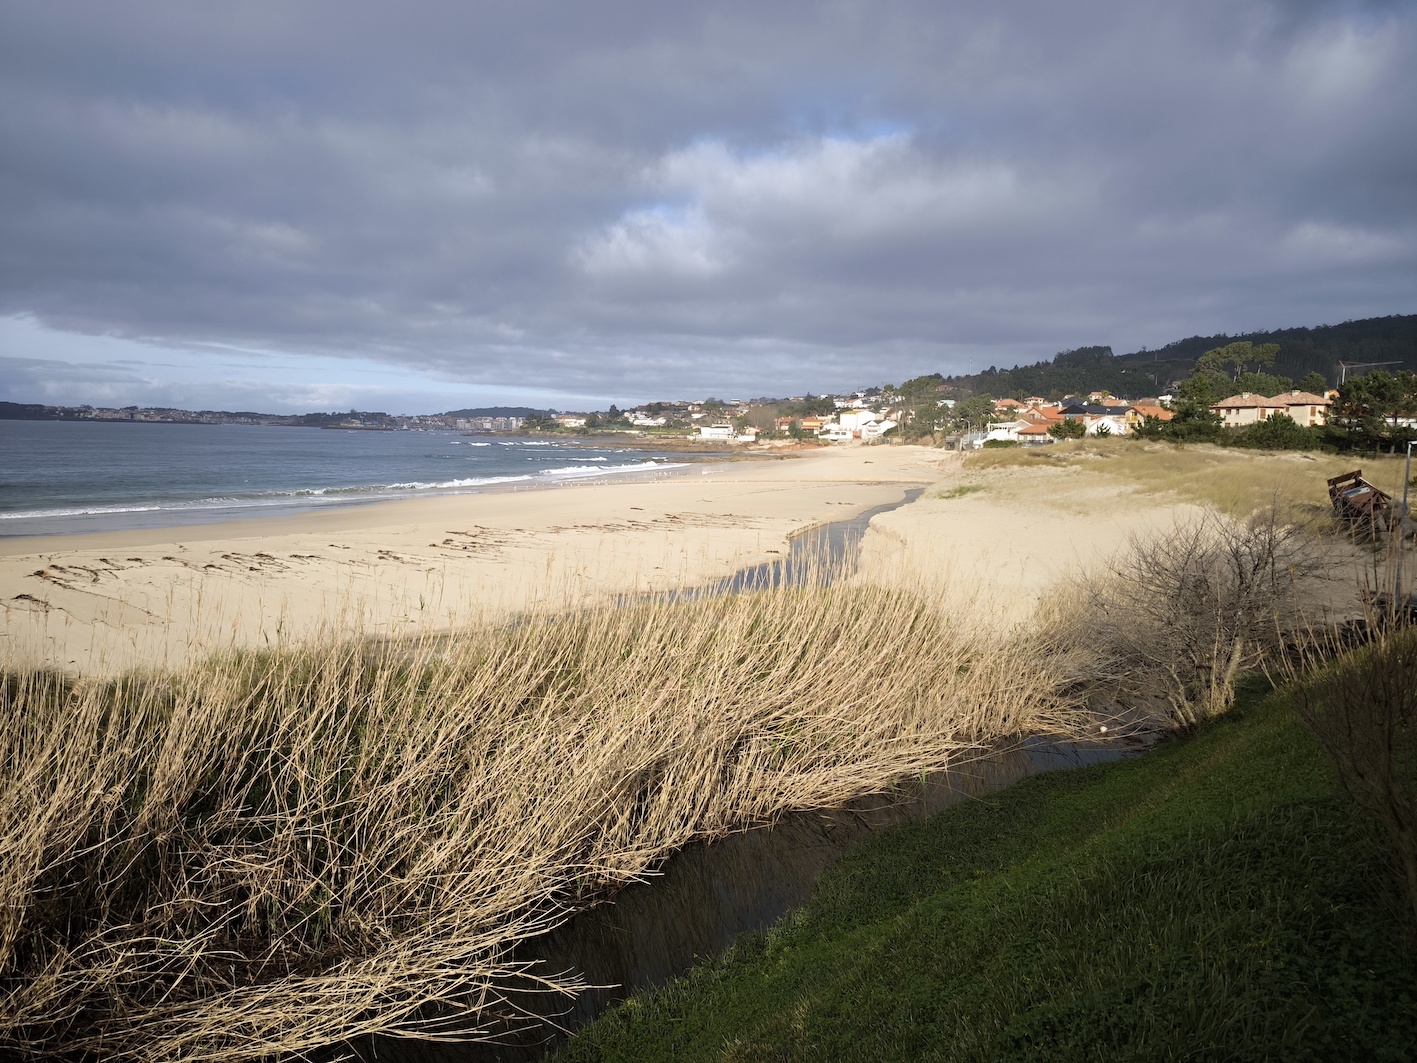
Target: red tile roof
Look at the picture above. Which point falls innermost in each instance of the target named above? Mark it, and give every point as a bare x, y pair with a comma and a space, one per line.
1161, 413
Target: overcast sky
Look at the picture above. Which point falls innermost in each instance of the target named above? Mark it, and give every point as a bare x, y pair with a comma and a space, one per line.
416, 206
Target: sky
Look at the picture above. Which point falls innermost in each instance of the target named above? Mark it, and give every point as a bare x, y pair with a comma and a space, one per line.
434, 204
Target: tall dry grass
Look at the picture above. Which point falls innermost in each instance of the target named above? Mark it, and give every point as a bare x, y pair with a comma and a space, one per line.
274, 851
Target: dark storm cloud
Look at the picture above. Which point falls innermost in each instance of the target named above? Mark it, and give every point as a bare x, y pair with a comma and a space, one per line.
641, 199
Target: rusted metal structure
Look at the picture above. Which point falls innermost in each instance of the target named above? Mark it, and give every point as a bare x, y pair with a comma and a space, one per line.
1358, 502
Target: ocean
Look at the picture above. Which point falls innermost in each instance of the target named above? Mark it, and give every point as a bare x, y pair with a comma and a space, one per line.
64, 477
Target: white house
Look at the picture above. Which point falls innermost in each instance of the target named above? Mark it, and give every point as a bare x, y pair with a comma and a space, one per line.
1115, 425
875, 429
1004, 431
716, 431
865, 425
852, 420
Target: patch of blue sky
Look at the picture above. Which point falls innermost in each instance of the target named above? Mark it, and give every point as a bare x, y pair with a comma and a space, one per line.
806, 125
839, 115
671, 213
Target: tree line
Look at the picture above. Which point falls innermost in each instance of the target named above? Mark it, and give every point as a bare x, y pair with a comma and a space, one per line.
1371, 412
1151, 372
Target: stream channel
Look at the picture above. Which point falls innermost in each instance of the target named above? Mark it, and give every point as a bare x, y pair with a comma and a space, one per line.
708, 893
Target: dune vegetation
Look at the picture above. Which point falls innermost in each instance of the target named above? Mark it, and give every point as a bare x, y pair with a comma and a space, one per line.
1231, 481
269, 852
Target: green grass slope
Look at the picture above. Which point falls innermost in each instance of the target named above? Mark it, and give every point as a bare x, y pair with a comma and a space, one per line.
1216, 899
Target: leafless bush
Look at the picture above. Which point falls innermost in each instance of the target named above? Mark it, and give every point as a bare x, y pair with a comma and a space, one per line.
277, 851
1180, 616
1361, 704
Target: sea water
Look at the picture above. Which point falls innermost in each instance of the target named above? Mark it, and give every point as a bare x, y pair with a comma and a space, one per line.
61, 477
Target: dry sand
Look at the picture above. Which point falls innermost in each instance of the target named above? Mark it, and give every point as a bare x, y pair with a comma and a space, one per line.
998, 542
106, 601
96, 603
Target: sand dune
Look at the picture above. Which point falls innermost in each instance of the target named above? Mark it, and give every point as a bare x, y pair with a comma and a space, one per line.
1001, 542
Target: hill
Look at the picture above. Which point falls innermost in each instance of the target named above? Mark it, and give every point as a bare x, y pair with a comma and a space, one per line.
500, 411
1301, 350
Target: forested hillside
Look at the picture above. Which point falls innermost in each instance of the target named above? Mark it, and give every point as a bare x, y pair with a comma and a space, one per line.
1301, 350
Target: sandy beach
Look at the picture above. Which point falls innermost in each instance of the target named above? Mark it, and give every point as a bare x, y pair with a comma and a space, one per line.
103, 602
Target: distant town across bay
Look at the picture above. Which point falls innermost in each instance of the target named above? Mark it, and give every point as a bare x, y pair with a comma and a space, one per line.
491, 419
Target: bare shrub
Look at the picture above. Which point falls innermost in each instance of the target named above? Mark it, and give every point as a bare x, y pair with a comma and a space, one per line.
1180, 616
276, 851
1361, 704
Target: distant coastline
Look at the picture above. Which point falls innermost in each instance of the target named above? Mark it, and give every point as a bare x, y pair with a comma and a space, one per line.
496, 418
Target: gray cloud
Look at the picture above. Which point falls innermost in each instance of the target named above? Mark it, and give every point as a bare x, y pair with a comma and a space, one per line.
637, 199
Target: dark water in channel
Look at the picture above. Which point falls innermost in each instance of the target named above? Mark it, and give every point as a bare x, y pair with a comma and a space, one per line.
708, 894
814, 556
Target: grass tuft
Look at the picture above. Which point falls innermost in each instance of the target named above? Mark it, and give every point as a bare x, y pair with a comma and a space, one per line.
960, 491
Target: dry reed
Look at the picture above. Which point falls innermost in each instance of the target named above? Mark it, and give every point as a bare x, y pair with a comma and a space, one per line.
275, 851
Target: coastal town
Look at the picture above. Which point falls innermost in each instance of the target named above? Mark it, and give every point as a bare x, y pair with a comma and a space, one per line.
864, 417
1233, 392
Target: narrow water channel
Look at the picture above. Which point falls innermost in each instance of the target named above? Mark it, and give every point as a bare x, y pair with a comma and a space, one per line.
816, 555
709, 893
